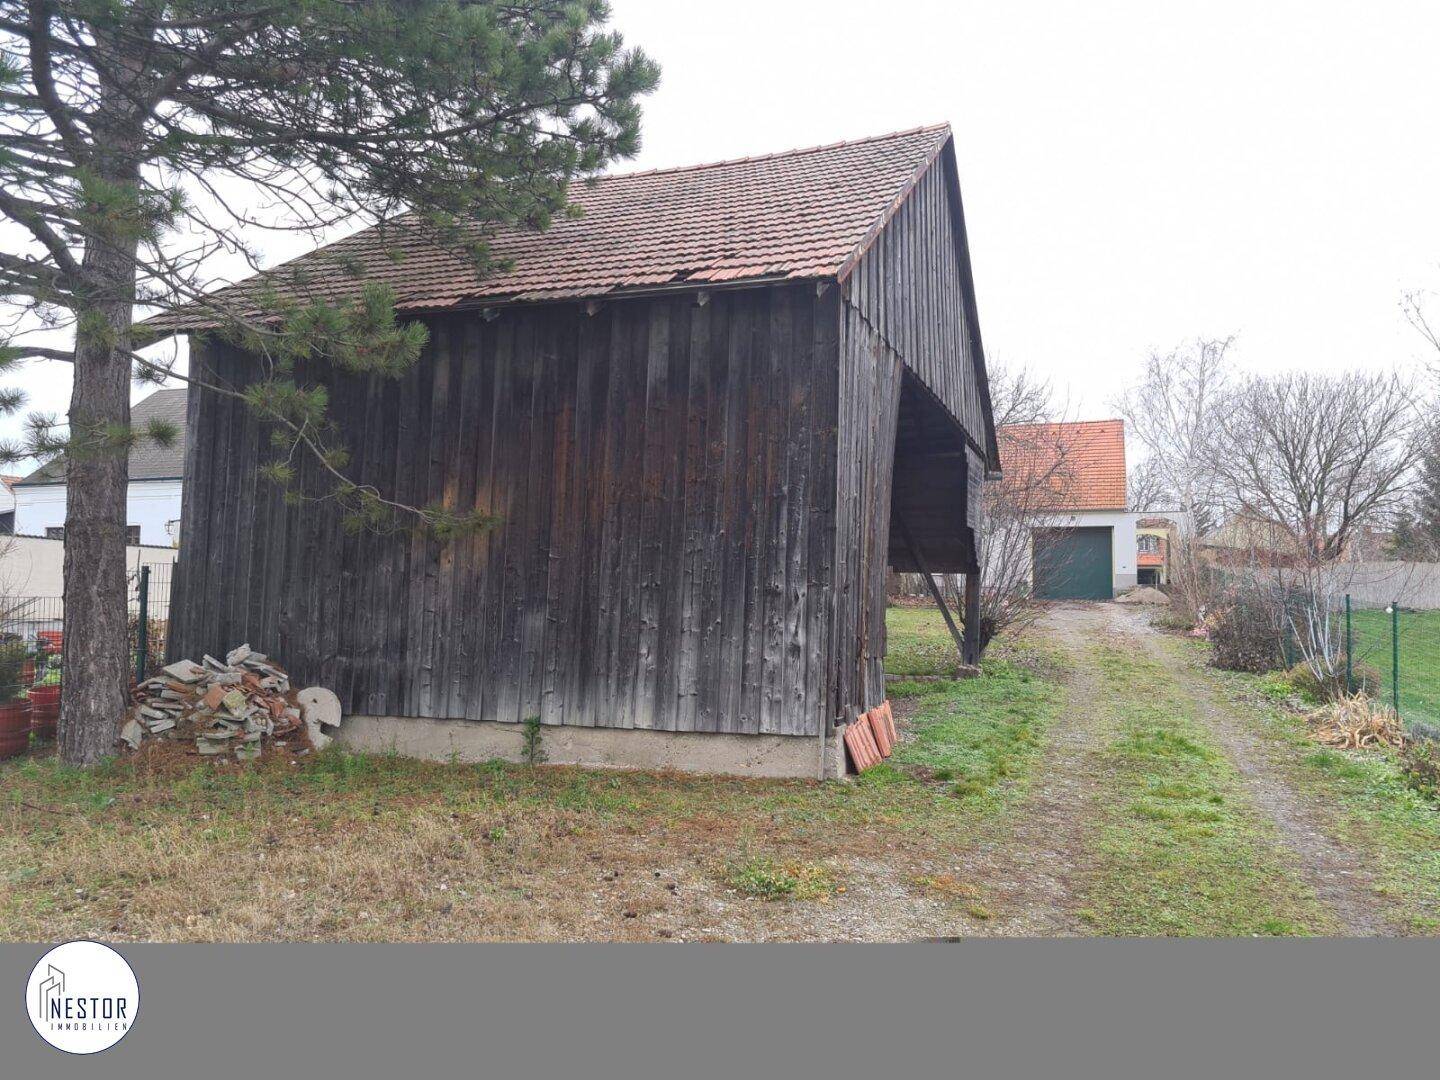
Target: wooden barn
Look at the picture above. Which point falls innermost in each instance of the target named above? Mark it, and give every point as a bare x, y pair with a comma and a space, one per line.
709, 414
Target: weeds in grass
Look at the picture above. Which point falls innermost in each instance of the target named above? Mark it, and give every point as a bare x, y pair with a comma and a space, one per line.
946, 886
1420, 768
919, 643
533, 748
982, 734
358, 846
766, 878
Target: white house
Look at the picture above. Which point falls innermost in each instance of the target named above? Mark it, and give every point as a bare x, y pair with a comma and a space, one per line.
1086, 547
7, 504
153, 498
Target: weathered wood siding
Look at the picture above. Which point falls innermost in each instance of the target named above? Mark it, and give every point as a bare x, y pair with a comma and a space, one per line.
870, 380
907, 307
665, 474
911, 288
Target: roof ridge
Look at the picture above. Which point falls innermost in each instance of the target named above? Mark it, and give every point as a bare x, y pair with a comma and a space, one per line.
795, 152
674, 234
1065, 423
896, 201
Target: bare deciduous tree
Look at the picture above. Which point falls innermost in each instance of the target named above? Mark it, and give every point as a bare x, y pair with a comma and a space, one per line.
1146, 490
1019, 396
1318, 461
1037, 471
1320, 456
1174, 414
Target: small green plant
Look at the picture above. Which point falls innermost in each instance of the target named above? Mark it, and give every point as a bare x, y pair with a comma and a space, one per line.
768, 879
1420, 764
13, 655
1304, 684
533, 747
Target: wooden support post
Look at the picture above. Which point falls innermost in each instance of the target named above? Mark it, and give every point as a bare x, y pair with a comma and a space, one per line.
970, 650
924, 569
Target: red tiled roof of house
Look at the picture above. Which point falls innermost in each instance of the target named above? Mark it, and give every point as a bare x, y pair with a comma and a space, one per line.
1151, 558
797, 214
1083, 462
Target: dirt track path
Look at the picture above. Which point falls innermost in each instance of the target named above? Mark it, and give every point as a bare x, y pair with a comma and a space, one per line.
1031, 873
1034, 874
1336, 874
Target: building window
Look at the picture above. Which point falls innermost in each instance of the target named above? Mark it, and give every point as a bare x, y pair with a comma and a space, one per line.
1150, 545
57, 532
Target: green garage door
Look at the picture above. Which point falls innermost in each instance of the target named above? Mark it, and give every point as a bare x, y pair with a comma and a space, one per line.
1073, 564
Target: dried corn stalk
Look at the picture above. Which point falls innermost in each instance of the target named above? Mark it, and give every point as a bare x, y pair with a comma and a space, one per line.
1356, 722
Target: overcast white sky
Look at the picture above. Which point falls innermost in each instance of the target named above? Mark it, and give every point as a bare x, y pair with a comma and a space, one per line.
1135, 174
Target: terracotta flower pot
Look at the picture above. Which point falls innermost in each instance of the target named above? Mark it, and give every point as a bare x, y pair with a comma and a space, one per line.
44, 711
14, 728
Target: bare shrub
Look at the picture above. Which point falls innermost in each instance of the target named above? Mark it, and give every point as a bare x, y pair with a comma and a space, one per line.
1036, 473
1311, 463
1364, 679
1246, 632
1174, 414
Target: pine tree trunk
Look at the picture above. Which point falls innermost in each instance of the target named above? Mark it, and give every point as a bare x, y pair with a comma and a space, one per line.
95, 655
95, 658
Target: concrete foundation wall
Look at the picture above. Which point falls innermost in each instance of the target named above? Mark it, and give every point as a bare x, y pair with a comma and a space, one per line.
485, 740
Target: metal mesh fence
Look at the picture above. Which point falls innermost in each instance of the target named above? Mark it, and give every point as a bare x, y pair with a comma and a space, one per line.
1396, 651
1389, 650
149, 617
32, 633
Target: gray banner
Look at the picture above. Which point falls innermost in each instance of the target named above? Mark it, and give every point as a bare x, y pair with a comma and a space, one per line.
987, 1009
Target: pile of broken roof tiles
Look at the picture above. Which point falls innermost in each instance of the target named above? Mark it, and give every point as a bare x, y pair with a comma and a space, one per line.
228, 707
871, 738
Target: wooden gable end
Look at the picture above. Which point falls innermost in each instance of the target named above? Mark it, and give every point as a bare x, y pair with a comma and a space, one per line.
913, 286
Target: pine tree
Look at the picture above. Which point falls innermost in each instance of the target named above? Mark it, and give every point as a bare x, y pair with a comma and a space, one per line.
141, 138
1428, 502
1416, 535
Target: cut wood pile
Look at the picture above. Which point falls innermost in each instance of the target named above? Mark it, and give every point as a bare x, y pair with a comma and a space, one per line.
229, 708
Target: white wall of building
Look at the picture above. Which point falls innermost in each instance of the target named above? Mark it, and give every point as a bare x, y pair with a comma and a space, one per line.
154, 505
32, 567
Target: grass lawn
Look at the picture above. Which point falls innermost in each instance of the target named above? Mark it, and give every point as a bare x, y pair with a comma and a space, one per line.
918, 642
350, 847
1419, 658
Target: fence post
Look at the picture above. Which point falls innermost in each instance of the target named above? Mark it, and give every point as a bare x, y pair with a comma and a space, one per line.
1395, 654
142, 633
1349, 649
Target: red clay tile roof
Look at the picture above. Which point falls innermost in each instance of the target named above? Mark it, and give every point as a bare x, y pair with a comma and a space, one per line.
798, 214
1086, 460
1150, 558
